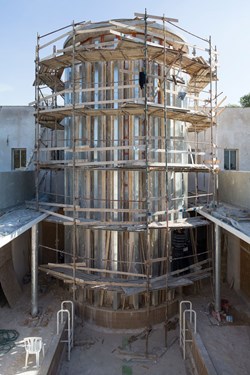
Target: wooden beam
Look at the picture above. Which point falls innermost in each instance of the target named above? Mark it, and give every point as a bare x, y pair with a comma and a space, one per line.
51, 204
96, 283
71, 219
64, 265
87, 209
102, 270
104, 223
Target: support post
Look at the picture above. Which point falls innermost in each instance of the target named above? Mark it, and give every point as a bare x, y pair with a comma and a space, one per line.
34, 270
217, 268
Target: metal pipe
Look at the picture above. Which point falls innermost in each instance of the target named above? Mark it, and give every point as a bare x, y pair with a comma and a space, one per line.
217, 268
37, 126
34, 270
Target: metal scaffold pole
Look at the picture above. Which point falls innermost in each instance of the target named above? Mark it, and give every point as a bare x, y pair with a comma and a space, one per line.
166, 178
147, 183
37, 121
74, 172
216, 190
211, 118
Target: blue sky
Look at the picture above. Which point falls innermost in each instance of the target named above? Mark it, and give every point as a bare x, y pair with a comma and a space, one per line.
227, 21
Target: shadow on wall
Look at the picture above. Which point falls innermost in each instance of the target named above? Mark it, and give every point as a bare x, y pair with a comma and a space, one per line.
16, 187
234, 188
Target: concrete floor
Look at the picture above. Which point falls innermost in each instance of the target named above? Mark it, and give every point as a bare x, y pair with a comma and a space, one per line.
19, 318
98, 351
228, 344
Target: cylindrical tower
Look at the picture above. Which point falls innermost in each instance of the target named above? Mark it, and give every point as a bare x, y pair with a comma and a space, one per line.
126, 155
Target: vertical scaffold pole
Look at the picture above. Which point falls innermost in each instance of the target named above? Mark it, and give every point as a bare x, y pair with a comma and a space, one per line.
166, 178
211, 119
147, 182
37, 100
74, 172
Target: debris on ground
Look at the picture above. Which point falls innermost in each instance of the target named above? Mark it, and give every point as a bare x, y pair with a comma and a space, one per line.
172, 324
223, 316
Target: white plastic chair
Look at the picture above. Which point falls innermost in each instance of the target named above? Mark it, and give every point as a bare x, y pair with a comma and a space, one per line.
33, 345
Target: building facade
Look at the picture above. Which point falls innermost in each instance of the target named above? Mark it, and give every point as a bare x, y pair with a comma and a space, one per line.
17, 137
233, 137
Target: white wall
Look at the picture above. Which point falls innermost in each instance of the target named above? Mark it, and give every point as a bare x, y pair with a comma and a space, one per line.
233, 132
234, 188
17, 130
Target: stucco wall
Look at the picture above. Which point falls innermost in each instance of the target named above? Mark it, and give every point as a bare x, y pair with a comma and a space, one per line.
17, 130
16, 187
234, 188
234, 133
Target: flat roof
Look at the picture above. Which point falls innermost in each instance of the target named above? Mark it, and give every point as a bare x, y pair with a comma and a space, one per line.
16, 221
233, 219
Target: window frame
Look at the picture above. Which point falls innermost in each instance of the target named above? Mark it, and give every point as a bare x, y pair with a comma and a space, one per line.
230, 151
17, 155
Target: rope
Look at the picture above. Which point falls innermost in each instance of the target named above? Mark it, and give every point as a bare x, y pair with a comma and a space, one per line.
7, 339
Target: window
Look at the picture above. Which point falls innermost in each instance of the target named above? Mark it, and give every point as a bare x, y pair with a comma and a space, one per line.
230, 160
18, 158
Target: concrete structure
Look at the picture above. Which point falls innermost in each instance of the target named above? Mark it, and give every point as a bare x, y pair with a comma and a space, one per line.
130, 97
17, 132
15, 237
118, 169
234, 188
233, 134
15, 188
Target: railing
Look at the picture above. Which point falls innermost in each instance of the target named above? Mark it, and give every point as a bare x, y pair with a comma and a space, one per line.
70, 323
183, 330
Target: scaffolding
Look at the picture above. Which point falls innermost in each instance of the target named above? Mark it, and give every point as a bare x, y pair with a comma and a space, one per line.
121, 109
